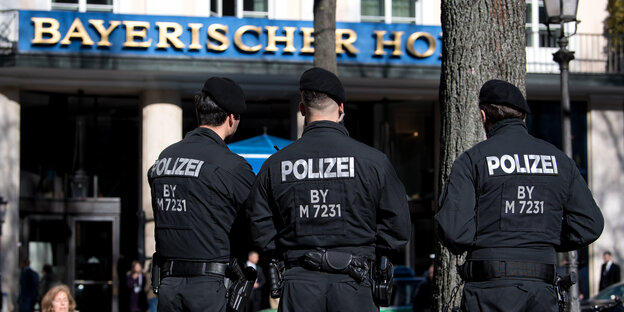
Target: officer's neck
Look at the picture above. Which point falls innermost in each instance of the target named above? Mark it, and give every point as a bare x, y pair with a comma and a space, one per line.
310, 118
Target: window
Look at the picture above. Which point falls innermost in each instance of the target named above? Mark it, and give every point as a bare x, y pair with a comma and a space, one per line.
372, 11
536, 31
241, 8
388, 11
83, 5
256, 8
404, 11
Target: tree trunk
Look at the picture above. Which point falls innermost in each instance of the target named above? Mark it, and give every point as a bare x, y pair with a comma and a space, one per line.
482, 40
325, 35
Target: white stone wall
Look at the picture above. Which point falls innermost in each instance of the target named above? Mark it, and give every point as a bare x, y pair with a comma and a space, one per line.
606, 177
9, 189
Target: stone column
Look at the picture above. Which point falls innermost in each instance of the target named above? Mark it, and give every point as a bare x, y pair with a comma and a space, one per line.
606, 178
161, 126
9, 190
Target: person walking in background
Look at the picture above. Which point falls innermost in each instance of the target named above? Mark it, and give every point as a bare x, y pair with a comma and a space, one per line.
423, 296
255, 299
135, 280
152, 299
29, 288
609, 272
48, 279
58, 299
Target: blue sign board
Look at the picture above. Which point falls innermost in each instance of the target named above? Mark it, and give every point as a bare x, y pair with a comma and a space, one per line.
222, 38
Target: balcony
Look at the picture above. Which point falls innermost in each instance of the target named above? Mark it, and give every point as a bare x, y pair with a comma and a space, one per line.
594, 53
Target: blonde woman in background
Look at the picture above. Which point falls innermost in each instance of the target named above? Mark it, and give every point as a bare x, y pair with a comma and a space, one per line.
58, 299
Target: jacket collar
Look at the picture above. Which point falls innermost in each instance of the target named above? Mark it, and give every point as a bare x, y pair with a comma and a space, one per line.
208, 133
511, 124
325, 125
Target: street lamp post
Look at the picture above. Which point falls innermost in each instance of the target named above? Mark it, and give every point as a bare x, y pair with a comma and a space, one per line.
560, 12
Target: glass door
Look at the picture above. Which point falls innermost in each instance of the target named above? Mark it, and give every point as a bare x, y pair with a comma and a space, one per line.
93, 280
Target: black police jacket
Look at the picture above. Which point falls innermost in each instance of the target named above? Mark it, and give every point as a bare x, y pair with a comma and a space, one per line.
328, 190
198, 188
515, 197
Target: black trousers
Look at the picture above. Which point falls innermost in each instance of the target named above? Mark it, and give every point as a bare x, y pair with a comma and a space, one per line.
314, 291
192, 294
510, 296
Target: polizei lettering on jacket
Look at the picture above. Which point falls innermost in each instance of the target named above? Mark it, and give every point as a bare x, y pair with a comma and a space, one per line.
186, 167
529, 164
318, 168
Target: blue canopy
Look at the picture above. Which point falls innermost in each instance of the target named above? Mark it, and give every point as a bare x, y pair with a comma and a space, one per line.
257, 149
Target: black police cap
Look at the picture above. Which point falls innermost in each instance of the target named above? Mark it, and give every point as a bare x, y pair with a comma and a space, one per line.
321, 80
226, 93
503, 93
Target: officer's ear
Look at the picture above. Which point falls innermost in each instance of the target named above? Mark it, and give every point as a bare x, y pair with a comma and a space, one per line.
302, 109
483, 116
231, 119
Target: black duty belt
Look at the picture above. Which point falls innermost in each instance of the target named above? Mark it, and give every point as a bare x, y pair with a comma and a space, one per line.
191, 268
484, 270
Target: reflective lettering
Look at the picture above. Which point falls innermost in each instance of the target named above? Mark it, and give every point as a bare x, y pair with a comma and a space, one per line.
304, 165
273, 39
48, 27
307, 40
396, 43
238, 38
136, 30
509, 206
195, 27
78, 31
347, 42
165, 37
103, 31
431, 43
217, 32
287, 168
493, 163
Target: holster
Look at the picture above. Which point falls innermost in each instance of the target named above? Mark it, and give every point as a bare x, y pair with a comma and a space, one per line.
337, 262
382, 282
155, 273
562, 284
242, 282
276, 276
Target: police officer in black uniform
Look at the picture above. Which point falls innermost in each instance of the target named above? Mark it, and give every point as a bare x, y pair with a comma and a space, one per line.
512, 202
328, 205
198, 188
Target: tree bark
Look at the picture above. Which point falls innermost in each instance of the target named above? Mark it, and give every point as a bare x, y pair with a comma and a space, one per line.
325, 35
482, 40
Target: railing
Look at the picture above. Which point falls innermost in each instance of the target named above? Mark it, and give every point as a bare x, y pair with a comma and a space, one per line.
8, 31
594, 53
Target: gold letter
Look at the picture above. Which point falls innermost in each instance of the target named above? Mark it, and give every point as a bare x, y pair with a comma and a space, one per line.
430, 41
77, 30
346, 42
104, 32
307, 40
164, 35
195, 27
381, 43
132, 33
238, 41
52, 30
217, 32
288, 39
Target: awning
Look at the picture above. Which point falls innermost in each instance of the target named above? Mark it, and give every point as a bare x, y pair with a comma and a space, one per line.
257, 149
